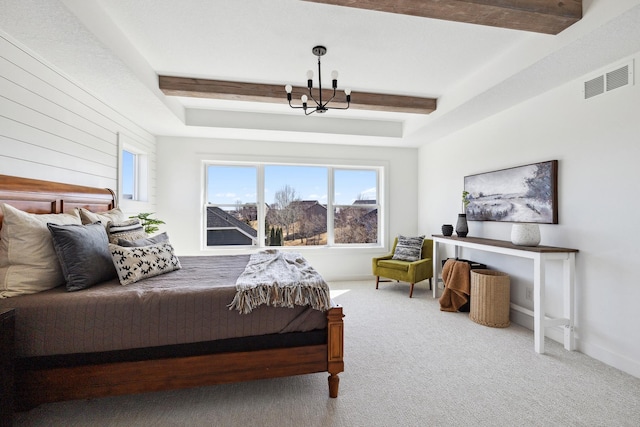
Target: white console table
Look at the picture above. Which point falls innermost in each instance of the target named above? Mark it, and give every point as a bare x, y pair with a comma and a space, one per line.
540, 255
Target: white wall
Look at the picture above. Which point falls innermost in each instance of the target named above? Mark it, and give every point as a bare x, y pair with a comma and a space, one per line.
597, 143
53, 129
180, 199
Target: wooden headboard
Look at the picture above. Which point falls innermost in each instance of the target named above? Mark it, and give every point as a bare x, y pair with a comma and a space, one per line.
43, 197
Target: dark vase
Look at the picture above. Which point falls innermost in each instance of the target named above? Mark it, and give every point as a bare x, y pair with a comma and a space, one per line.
461, 226
447, 230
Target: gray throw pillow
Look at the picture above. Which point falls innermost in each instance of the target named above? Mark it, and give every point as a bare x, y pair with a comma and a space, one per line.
83, 253
162, 237
408, 248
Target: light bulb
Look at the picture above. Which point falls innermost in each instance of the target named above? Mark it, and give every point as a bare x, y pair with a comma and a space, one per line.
334, 75
309, 75
304, 98
347, 91
288, 88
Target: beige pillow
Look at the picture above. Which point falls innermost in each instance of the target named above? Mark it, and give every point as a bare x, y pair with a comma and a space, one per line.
88, 217
28, 261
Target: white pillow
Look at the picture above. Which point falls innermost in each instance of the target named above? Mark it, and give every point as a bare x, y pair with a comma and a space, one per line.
28, 260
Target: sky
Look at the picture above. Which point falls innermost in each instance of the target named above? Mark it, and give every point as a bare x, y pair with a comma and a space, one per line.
227, 185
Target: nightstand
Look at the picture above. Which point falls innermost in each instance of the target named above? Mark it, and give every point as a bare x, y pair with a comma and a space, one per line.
7, 354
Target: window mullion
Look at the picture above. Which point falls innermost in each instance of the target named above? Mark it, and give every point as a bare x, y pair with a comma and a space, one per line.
261, 205
330, 209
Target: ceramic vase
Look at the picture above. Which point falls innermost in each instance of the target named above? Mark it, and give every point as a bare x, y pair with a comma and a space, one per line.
525, 234
461, 226
447, 229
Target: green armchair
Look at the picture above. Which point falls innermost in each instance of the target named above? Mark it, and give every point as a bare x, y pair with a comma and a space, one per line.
405, 271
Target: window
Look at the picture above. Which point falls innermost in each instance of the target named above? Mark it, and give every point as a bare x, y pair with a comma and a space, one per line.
129, 162
231, 209
296, 198
356, 206
291, 205
134, 174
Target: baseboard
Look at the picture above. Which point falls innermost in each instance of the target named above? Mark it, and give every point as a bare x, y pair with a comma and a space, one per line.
618, 361
349, 278
629, 366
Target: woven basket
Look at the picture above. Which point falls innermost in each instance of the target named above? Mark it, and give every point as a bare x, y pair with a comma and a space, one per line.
490, 298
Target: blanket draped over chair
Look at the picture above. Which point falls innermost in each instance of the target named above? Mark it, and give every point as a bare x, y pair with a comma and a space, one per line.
280, 279
457, 287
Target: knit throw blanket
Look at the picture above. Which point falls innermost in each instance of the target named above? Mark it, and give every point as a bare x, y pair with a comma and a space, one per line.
279, 279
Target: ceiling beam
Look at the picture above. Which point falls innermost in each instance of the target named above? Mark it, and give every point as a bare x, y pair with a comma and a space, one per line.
540, 16
256, 92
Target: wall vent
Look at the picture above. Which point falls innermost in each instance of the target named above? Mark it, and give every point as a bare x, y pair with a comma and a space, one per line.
594, 87
620, 77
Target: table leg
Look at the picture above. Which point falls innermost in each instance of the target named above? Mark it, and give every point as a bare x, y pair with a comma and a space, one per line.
538, 304
569, 287
437, 269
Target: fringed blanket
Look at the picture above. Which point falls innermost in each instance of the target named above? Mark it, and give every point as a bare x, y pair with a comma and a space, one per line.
280, 279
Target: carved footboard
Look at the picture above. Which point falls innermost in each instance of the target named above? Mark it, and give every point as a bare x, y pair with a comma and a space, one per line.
37, 386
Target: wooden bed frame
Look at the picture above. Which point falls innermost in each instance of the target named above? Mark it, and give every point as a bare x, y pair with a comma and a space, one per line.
37, 386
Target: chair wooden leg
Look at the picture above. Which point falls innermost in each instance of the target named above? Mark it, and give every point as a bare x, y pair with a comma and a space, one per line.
411, 291
377, 280
429, 283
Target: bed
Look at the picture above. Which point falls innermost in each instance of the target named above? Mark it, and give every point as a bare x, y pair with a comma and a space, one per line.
180, 342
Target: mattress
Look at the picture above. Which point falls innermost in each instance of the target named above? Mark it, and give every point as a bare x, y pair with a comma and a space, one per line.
185, 306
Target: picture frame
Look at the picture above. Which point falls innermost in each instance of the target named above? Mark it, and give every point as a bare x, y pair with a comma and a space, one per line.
527, 193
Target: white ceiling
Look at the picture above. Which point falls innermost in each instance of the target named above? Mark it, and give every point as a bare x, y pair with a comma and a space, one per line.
116, 49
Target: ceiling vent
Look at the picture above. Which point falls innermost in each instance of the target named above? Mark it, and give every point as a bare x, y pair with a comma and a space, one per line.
610, 80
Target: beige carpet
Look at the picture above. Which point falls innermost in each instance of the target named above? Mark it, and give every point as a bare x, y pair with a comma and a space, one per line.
407, 364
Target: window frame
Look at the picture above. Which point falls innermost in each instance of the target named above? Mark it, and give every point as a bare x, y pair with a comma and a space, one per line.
380, 167
141, 172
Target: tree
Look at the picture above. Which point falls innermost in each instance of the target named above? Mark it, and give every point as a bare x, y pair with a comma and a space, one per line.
286, 212
540, 184
271, 239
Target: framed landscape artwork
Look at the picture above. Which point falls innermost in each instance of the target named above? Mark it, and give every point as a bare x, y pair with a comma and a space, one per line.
521, 194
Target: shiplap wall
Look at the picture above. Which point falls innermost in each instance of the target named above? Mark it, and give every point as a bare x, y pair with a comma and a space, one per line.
53, 129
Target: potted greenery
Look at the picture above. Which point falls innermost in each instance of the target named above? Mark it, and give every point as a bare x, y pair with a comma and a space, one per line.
150, 224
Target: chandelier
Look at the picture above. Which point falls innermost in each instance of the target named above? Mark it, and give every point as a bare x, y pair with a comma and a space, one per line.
320, 106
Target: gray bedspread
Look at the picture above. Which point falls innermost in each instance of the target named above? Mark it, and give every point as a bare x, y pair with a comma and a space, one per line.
183, 306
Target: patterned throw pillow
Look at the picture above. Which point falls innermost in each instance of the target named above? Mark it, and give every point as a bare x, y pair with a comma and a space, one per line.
126, 230
408, 248
135, 264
